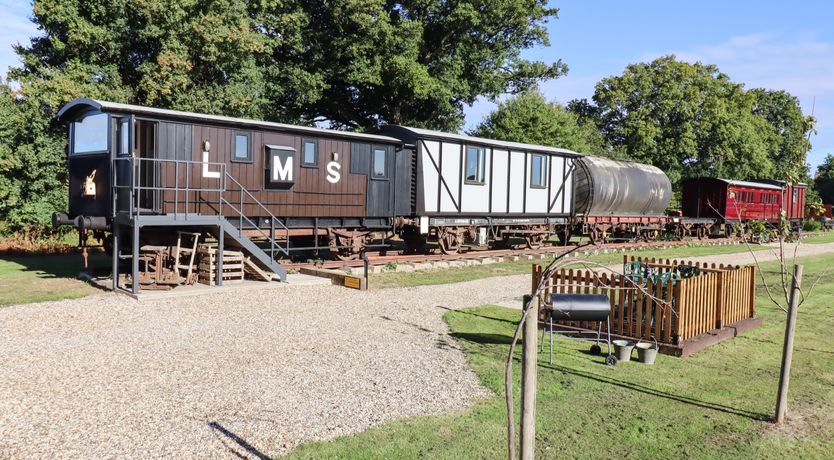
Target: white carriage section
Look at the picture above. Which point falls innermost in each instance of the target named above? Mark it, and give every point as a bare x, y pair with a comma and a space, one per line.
457, 178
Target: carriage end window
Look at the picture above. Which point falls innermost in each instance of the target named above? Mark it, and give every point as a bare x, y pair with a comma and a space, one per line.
475, 165
242, 151
89, 134
310, 153
378, 166
538, 171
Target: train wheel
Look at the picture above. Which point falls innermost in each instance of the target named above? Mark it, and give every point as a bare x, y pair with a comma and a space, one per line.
345, 247
680, 232
449, 242
563, 237
597, 237
534, 241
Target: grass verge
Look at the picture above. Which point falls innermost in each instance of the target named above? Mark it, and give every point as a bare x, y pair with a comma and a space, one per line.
715, 404
43, 278
819, 238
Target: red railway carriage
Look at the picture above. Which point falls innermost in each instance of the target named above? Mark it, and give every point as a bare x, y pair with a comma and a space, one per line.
793, 199
734, 201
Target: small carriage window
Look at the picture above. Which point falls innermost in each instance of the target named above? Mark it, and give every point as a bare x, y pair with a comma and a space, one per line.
242, 152
475, 165
309, 152
538, 171
124, 136
379, 169
89, 134
795, 195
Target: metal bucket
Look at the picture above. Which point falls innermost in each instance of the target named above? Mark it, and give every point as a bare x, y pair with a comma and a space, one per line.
647, 352
622, 350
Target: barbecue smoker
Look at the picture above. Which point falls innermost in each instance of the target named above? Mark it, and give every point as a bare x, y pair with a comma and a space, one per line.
580, 307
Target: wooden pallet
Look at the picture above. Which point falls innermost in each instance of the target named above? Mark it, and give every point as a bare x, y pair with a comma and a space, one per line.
257, 272
233, 265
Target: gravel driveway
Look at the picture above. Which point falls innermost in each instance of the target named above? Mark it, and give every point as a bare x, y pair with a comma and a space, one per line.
241, 374
227, 375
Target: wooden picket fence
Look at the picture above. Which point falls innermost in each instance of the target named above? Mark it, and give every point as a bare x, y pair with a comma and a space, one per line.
671, 312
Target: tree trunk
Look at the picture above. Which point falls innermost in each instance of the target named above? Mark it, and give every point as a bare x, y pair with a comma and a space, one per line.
787, 351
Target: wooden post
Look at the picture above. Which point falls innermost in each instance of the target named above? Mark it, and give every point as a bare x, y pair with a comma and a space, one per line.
529, 357
787, 350
752, 292
720, 301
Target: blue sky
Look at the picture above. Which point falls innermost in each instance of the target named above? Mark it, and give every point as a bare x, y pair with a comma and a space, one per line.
778, 45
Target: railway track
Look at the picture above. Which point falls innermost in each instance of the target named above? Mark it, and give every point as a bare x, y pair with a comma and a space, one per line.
376, 259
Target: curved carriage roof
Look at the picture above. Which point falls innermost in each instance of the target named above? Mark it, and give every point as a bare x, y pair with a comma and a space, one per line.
83, 104
737, 183
411, 135
744, 183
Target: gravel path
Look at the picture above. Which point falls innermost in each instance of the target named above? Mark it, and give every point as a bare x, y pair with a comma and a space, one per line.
227, 375
242, 374
746, 258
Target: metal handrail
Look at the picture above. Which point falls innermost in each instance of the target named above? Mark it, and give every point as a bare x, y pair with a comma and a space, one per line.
272, 219
224, 176
136, 182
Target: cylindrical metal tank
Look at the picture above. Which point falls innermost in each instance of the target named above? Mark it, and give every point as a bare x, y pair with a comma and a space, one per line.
579, 307
606, 187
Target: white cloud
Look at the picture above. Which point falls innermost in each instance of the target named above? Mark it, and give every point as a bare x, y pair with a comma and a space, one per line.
799, 63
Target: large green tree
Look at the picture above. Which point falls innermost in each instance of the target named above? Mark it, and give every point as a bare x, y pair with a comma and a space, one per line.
688, 119
415, 62
824, 182
352, 64
789, 143
529, 117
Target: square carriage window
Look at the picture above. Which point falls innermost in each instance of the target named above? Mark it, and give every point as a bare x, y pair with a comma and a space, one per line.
90, 134
242, 151
475, 165
538, 171
310, 152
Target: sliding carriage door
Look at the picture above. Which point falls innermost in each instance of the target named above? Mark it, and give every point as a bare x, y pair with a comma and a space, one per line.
149, 168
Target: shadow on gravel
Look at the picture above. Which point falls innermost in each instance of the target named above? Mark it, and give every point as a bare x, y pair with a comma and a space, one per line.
218, 428
415, 326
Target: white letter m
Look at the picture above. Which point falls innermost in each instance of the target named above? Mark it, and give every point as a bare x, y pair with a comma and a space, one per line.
281, 172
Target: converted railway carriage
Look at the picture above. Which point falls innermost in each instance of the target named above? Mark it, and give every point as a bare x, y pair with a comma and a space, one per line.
471, 190
620, 199
732, 201
140, 174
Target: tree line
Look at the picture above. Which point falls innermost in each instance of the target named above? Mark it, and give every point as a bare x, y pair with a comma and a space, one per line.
689, 120
354, 64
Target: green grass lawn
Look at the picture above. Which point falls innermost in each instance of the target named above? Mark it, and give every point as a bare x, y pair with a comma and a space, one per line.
42, 278
715, 404
827, 237
458, 274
